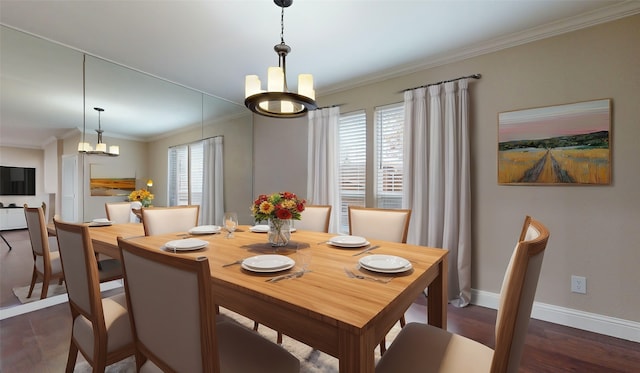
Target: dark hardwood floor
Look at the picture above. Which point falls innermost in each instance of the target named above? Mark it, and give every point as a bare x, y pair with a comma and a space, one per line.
38, 341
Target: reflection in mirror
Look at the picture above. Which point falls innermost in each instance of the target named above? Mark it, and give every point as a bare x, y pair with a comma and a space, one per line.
144, 115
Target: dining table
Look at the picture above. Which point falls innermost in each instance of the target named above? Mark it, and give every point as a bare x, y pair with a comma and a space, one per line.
317, 303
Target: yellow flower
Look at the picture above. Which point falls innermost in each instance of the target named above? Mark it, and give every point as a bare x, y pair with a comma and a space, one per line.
266, 207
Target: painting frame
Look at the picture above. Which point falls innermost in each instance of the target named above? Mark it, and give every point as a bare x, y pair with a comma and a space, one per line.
566, 144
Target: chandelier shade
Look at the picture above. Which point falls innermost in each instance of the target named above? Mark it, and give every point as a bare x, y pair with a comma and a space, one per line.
277, 101
101, 147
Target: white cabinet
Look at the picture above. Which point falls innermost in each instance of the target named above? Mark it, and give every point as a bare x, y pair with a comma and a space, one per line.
12, 218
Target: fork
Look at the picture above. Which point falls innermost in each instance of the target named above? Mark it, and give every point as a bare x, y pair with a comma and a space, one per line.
352, 274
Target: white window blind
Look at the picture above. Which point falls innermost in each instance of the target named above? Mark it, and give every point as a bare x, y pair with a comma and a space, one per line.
186, 164
352, 131
389, 124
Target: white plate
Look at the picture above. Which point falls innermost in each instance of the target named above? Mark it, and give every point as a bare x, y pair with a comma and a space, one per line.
263, 228
100, 222
205, 229
186, 244
348, 241
385, 263
268, 263
259, 228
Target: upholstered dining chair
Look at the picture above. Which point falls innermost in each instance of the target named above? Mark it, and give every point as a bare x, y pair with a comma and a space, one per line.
314, 218
175, 292
101, 329
380, 224
46, 258
119, 212
161, 220
423, 348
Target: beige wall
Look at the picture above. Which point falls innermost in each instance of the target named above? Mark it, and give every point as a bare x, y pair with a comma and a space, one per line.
594, 229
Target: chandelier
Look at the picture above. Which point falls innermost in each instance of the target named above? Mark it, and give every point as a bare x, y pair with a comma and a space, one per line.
101, 147
277, 101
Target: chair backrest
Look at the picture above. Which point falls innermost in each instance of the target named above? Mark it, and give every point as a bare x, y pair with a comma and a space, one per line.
160, 287
379, 224
314, 218
80, 271
161, 220
517, 295
37, 227
118, 212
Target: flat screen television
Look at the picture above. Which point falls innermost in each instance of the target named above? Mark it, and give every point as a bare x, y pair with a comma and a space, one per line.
17, 181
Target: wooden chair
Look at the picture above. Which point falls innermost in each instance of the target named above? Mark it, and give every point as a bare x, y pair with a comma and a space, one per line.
173, 317
101, 330
46, 262
161, 220
314, 218
423, 348
380, 224
119, 212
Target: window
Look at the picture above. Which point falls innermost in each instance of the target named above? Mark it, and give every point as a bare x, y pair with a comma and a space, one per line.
389, 132
186, 166
352, 141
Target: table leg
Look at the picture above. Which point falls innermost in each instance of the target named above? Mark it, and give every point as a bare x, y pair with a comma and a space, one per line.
438, 297
356, 354
5, 240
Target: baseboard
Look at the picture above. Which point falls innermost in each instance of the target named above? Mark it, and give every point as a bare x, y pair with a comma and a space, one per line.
606, 325
8, 312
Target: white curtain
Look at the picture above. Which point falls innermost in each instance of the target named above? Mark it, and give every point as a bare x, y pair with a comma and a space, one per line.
436, 180
322, 173
212, 208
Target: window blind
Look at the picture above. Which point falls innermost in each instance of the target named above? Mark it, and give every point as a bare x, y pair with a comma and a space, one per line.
389, 129
352, 131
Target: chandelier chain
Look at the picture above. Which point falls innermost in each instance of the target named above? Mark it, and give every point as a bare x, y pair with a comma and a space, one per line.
282, 25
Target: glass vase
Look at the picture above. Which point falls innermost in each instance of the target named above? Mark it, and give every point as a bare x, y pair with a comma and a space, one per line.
279, 232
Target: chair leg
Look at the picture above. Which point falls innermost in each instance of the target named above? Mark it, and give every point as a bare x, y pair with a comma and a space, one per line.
383, 346
34, 277
255, 326
403, 321
71, 359
5, 241
279, 340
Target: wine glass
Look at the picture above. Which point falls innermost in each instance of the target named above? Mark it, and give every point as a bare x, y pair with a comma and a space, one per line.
230, 223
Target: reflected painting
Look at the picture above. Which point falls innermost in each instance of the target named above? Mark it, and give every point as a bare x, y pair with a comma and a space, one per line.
556, 145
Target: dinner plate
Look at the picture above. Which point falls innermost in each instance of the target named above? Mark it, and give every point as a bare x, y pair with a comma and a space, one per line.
268, 263
100, 222
205, 229
186, 244
348, 241
263, 228
385, 263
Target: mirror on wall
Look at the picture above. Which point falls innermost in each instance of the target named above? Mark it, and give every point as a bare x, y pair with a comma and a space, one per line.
42, 82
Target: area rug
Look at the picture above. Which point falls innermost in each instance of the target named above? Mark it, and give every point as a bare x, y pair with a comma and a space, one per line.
311, 360
54, 289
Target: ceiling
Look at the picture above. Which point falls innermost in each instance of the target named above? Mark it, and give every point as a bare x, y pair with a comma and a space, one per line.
209, 46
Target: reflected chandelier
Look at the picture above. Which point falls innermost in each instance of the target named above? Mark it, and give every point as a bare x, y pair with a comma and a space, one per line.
101, 147
277, 101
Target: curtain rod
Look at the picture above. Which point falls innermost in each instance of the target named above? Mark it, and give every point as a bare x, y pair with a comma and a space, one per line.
473, 76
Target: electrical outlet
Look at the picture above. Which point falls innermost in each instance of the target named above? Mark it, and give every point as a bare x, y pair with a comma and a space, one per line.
578, 284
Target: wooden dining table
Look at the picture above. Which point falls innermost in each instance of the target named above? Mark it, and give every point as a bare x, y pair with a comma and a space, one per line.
324, 308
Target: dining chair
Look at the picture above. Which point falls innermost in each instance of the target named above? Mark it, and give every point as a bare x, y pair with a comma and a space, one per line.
161, 220
314, 218
46, 258
176, 292
100, 329
380, 224
119, 212
424, 348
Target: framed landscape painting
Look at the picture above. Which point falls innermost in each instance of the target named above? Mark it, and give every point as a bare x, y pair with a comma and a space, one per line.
556, 145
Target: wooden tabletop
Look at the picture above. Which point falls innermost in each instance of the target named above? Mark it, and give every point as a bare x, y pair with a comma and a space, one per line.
342, 316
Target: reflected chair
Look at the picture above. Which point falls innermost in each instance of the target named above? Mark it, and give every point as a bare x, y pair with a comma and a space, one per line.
119, 212
175, 292
46, 258
101, 329
161, 220
424, 348
314, 218
380, 224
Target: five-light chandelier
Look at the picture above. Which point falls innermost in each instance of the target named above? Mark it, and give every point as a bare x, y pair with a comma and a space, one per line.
277, 101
